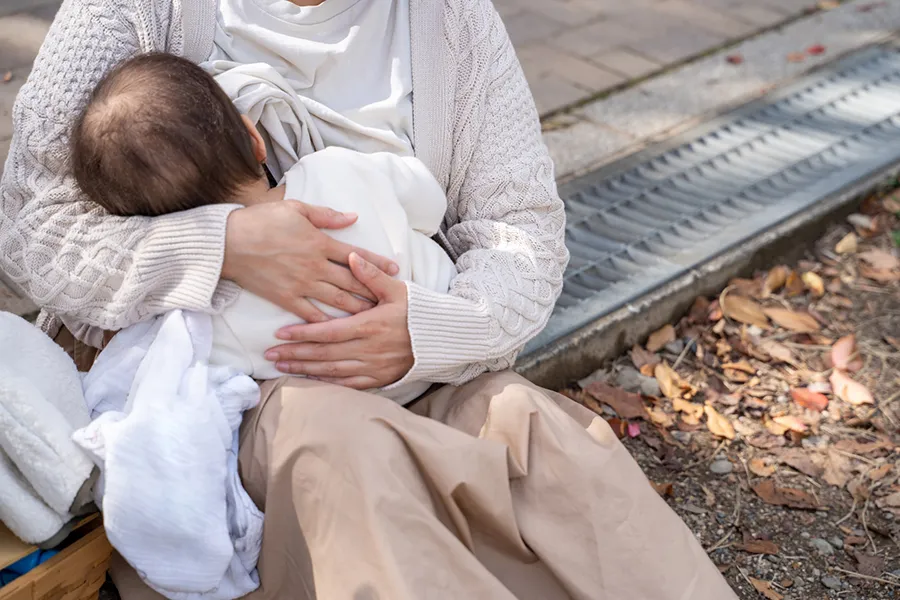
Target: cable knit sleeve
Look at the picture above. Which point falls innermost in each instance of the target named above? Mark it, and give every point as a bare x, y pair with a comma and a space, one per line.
507, 223
66, 254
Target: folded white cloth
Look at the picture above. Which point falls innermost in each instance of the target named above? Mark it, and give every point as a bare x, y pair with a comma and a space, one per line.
41, 404
165, 437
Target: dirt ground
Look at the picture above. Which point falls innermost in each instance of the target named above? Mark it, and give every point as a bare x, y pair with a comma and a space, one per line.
768, 417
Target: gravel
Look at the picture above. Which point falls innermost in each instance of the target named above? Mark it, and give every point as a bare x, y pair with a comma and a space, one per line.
821, 546
832, 583
721, 467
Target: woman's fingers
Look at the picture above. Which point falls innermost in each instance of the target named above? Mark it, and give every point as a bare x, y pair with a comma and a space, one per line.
346, 368
343, 278
324, 218
340, 299
305, 310
340, 253
361, 382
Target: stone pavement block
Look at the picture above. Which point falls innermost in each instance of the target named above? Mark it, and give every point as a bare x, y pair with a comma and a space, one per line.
705, 18
540, 59
627, 63
9, 7
552, 92
577, 148
758, 15
21, 36
592, 39
568, 12
526, 26
8, 93
790, 7
4, 150
677, 44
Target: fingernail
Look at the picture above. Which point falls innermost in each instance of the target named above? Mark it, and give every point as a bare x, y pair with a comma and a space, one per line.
350, 215
393, 269
271, 355
283, 367
283, 335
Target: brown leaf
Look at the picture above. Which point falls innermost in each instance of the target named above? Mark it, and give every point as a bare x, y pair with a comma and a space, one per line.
791, 497
848, 390
828, 4
743, 310
658, 339
792, 320
892, 500
764, 441
734, 59
816, 49
660, 417
742, 365
758, 547
765, 588
854, 447
879, 275
848, 244
794, 286
7, 77
775, 279
844, 355
796, 57
691, 412
812, 464
814, 284
869, 564
855, 540
718, 424
641, 357
879, 259
647, 370
837, 469
809, 399
879, 473
619, 427
699, 309
663, 489
670, 383
791, 423
779, 352
761, 467
626, 404
773, 427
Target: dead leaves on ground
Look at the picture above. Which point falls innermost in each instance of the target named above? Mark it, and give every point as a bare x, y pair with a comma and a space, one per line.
765, 588
769, 493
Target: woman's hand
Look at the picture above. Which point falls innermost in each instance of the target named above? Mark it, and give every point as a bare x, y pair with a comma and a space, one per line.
275, 250
367, 350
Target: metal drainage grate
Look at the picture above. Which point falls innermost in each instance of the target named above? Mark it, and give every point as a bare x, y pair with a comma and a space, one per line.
640, 223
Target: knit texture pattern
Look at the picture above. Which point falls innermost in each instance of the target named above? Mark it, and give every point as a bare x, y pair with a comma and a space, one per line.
505, 222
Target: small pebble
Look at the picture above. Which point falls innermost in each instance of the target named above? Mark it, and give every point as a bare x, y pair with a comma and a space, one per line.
805, 535
888, 516
816, 572
650, 387
896, 573
721, 467
682, 437
836, 542
675, 347
832, 583
821, 546
693, 508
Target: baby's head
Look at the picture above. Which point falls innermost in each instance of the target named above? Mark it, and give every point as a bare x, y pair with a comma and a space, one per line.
159, 135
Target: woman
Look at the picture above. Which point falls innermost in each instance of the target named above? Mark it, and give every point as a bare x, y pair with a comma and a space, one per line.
487, 487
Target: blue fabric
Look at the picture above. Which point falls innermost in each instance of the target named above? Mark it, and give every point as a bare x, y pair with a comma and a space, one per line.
22, 566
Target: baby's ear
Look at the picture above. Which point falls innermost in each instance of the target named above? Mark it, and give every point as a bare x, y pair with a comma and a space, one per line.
259, 146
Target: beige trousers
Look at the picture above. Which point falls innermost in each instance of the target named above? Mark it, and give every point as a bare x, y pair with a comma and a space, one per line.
493, 490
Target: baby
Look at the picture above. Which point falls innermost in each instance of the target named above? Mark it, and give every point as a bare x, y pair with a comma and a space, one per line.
159, 135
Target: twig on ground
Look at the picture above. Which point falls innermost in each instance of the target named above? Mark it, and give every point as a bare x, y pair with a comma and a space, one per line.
856, 575
848, 515
856, 456
866, 527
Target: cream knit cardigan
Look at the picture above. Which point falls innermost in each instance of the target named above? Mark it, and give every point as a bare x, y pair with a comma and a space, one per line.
475, 127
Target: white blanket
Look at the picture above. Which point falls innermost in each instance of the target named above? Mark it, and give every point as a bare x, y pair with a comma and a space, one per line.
41, 470
165, 436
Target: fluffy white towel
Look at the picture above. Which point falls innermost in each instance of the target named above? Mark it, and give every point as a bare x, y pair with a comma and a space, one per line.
165, 436
41, 404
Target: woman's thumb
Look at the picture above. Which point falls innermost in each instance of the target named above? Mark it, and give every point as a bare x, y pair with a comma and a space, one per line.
326, 218
371, 276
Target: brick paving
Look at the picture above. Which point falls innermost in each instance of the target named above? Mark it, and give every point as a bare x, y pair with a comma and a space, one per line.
571, 50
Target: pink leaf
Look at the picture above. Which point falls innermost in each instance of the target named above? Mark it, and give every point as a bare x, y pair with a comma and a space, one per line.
848, 390
634, 430
844, 355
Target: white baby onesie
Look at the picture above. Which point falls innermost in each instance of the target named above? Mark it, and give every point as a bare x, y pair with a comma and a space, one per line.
400, 206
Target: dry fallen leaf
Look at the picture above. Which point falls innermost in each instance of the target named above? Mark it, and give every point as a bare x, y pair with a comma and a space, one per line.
854, 447
734, 59
809, 399
879, 259
775, 279
814, 284
848, 244
792, 320
773, 427
869, 564
777, 351
743, 310
758, 547
660, 417
667, 379
837, 469
791, 423
7, 77
741, 365
718, 424
844, 355
816, 50
658, 339
848, 390
879, 473
808, 463
828, 4
641, 357
761, 467
765, 588
794, 286
879, 275
791, 497
663, 489
626, 404
796, 57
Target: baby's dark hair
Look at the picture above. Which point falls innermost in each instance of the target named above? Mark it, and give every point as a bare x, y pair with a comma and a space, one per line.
159, 135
